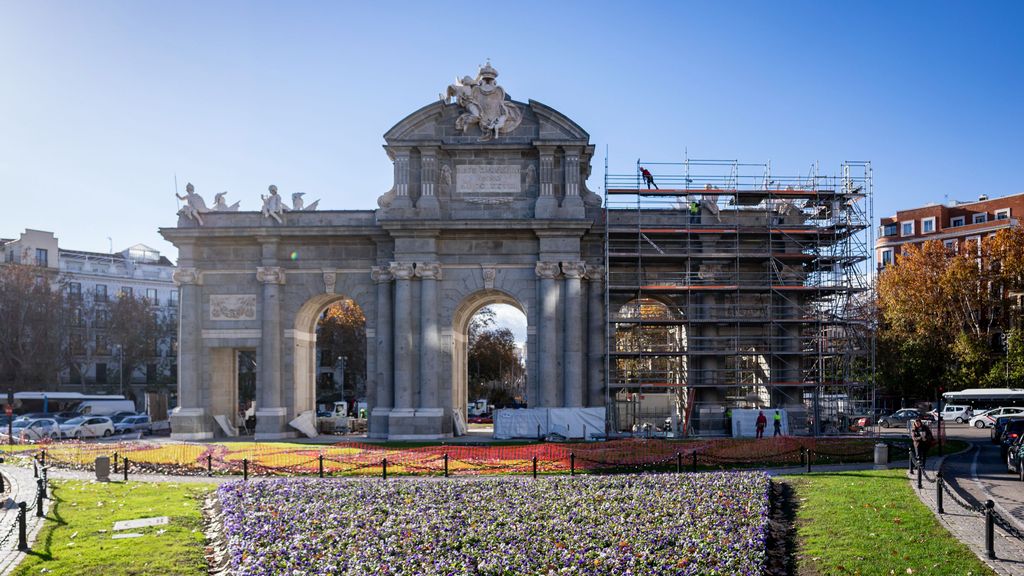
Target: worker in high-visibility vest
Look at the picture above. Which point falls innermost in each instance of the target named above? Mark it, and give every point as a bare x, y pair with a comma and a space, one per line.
694, 212
777, 422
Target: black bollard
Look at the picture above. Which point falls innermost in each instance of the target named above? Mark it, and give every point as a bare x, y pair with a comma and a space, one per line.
911, 463
445, 464
35, 469
990, 546
39, 498
125, 468
245, 468
46, 485
42, 458
694, 463
572, 463
384, 468
209, 465
920, 472
938, 492
534, 467
2, 487
809, 456
321, 465
115, 462
22, 521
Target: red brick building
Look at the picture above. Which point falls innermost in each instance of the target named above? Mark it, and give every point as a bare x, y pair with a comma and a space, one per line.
952, 225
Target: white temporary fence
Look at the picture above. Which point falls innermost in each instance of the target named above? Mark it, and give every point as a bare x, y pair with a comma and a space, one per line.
587, 423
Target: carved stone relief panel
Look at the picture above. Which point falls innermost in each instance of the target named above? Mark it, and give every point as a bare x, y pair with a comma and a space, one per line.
232, 307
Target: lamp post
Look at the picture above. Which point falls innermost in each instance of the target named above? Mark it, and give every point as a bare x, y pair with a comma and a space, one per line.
120, 368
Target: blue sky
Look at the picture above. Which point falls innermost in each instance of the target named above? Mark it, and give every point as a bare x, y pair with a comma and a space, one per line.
103, 103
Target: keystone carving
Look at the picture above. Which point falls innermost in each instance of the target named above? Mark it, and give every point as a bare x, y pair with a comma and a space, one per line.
270, 274
183, 276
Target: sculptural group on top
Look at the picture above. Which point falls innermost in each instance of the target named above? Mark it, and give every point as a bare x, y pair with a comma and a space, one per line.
484, 103
273, 206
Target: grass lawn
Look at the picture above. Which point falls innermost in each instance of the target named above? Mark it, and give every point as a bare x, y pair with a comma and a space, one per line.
77, 538
871, 522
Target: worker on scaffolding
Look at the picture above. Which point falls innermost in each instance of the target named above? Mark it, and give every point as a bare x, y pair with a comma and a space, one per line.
694, 212
648, 178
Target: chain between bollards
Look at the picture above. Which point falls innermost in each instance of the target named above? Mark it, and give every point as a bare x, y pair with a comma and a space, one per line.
572, 463
445, 464
938, 492
321, 465
22, 521
384, 468
535, 467
245, 468
990, 547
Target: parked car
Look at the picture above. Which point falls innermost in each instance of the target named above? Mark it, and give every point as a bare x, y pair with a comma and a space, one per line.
1014, 455
134, 423
1012, 429
119, 416
901, 417
36, 429
958, 413
988, 418
996, 434
86, 427
63, 416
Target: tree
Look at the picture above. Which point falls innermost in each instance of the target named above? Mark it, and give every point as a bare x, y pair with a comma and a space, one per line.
495, 370
31, 322
139, 330
341, 332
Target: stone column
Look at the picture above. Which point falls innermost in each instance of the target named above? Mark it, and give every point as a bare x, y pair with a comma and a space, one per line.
400, 157
381, 276
430, 343
428, 180
403, 273
189, 418
547, 361
271, 414
546, 205
573, 349
596, 341
572, 204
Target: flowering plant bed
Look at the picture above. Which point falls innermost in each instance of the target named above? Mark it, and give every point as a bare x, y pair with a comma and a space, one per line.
708, 524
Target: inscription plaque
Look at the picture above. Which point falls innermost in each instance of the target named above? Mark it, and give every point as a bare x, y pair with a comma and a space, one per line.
487, 183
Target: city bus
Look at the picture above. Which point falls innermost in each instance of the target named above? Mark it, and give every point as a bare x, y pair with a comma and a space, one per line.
28, 402
980, 399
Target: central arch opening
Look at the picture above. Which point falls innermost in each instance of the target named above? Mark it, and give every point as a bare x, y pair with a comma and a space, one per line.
488, 360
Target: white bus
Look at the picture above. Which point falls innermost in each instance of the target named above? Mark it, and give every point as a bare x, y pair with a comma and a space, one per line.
980, 399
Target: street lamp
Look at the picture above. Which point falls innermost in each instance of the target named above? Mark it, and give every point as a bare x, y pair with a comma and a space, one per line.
120, 368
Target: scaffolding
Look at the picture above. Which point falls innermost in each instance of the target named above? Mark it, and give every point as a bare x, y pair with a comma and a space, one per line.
730, 287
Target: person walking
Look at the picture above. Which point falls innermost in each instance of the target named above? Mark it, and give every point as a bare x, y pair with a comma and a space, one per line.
777, 423
760, 424
648, 178
921, 437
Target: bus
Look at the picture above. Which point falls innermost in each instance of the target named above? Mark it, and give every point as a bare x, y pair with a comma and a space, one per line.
980, 399
28, 402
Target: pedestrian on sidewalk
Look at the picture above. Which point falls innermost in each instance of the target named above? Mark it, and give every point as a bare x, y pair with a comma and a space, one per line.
921, 436
648, 178
777, 422
760, 424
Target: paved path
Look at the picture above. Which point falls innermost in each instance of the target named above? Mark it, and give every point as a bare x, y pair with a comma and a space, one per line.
965, 524
20, 486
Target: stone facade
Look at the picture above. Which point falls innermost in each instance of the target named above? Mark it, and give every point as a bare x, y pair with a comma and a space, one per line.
473, 219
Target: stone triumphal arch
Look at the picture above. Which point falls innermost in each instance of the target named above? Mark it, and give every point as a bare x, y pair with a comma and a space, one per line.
489, 205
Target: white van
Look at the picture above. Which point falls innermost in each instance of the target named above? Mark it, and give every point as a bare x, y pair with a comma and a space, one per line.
956, 412
104, 407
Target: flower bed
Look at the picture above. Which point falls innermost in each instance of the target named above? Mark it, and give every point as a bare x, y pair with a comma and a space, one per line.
708, 524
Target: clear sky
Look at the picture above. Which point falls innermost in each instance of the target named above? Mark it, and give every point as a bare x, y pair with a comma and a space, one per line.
103, 103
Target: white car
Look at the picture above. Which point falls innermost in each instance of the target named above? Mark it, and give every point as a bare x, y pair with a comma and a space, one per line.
36, 429
987, 419
959, 413
87, 427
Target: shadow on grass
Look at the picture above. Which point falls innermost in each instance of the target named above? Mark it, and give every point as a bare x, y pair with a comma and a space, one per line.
54, 515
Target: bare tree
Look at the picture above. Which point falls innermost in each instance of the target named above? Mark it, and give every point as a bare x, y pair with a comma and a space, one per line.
32, 347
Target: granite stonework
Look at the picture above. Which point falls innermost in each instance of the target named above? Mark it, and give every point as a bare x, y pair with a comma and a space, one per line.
472, 219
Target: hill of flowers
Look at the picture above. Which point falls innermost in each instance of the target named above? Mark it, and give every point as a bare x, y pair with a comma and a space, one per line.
689, 524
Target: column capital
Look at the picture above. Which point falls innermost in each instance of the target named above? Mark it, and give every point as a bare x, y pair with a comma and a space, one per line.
595, 273
270, 274
381, 274
186, 276
428, 270
402, 270
574, 270
547, 269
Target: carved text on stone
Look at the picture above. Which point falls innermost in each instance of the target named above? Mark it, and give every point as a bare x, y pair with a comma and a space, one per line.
487, 181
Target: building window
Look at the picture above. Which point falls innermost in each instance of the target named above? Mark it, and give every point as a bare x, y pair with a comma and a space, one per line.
102, 344
979, 218
151, 297
42, 257
886, 257
1003, 214
888, 230
126, 292
102, 318
76, 316
173, 301
907, 228
77, 343
101, 372
928, 225
949, 245
75, 291
973, 243
958, 221
101, 293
